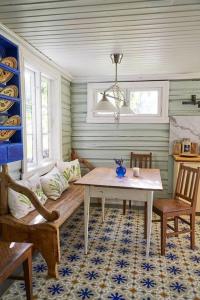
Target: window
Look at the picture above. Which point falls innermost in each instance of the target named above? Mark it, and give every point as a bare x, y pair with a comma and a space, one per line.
147, 102
30, 116
45, 91
38, 115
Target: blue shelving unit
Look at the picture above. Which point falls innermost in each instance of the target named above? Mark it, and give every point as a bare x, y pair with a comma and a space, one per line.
11, 150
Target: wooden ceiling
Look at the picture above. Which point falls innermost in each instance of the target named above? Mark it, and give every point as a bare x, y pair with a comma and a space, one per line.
155, 36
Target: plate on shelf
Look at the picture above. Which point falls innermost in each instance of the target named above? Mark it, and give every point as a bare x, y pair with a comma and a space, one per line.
189, 154
11, 91
11, 62
12, 121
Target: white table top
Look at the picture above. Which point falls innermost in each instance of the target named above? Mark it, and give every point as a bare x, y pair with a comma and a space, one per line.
149, 179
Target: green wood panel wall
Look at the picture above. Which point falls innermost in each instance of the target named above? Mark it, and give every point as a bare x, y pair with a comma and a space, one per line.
181, 91
100, 143
66, 118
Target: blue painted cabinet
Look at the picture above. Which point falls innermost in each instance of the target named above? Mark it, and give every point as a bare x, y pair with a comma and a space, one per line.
11, 149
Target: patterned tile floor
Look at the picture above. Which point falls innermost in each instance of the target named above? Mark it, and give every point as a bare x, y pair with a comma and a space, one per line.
116, 268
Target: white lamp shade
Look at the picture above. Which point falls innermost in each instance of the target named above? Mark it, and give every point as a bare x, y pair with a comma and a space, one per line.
104, 105
125, 109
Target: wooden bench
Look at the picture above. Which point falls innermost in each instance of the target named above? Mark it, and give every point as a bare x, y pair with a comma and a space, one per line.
41, 226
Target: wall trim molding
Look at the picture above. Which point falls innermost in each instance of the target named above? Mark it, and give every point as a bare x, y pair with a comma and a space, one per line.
4, 30
144, 77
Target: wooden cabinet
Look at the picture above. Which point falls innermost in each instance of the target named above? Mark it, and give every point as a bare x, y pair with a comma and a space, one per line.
11, 148
193, 162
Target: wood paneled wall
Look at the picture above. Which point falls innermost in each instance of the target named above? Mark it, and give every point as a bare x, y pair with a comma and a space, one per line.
101, 143
66, 118
181, 91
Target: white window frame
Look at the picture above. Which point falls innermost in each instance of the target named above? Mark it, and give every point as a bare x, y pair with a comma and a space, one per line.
162, 86
37, 65
50, 88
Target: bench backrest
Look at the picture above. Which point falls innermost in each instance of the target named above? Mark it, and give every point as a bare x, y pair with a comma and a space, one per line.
4, 209
6, 180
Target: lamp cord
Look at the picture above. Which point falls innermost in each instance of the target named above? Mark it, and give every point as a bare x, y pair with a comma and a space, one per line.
116, 72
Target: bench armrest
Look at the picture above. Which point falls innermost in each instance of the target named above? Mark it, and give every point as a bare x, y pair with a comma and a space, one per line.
83, 161
48, 215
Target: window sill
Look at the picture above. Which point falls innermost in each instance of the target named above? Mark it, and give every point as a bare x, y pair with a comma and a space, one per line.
44, 168
93, 119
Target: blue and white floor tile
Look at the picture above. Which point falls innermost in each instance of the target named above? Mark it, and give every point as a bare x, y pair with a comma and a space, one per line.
115, 267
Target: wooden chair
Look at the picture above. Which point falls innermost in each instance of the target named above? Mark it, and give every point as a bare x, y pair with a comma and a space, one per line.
139, 160
12, 256
184, 203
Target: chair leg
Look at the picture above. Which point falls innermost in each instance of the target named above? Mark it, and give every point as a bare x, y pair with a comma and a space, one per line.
27, 266
124, 207
103, 208
176, 225
129, 203
145, 220
163, 234
192, 233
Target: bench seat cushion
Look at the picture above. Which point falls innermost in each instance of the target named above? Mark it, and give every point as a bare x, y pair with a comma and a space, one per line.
66, 205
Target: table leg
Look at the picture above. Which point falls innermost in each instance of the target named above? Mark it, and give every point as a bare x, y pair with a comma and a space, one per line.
86, 215
149, 220
27, 266
103, 208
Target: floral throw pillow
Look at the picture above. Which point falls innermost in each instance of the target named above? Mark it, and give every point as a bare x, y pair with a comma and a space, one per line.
35, 185
70, 169
53, 184
18, 203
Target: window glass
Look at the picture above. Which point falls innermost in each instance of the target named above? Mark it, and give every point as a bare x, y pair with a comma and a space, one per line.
144, 102
30, 116
45, 85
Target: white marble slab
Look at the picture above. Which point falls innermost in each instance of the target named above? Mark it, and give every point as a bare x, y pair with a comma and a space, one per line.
184, 127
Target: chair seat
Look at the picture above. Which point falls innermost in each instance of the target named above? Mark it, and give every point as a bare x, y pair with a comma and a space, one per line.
170, 205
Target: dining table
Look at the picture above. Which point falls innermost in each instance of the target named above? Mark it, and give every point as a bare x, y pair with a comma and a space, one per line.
102, 182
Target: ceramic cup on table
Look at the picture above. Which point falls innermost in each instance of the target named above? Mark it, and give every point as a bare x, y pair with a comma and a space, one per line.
136, 172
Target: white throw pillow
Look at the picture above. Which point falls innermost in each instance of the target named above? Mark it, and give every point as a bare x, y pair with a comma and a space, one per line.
18, 203
70, 169
36, 187
53, 184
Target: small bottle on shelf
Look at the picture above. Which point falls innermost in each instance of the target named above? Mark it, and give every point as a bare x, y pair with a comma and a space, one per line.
186, 146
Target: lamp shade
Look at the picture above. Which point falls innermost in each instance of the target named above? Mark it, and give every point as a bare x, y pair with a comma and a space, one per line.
125, 109
104, 105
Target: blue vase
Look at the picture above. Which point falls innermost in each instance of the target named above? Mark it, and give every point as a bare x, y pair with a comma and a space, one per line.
120, 171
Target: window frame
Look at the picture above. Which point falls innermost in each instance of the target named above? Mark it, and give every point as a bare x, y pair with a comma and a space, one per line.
162, 86
55, 114
34, 146
50, 83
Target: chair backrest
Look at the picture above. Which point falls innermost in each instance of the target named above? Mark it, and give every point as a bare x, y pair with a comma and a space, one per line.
141, 160
187, 184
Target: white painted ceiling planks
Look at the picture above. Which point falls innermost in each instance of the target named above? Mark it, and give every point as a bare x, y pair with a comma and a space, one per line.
156, 36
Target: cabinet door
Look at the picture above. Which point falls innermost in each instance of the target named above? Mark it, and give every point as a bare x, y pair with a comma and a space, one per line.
176, 169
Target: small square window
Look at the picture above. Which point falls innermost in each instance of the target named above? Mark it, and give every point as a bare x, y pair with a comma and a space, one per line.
146, 102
